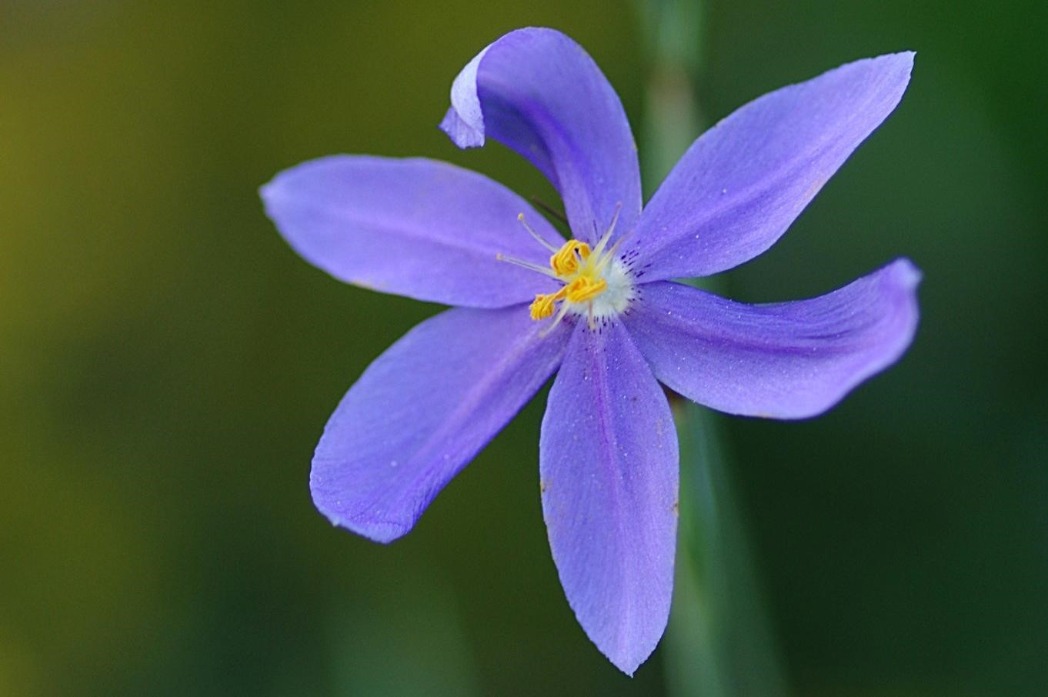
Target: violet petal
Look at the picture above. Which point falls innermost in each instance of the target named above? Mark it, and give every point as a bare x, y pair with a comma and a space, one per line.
415, 227
741, 185
608, 463
422, 410
782, 360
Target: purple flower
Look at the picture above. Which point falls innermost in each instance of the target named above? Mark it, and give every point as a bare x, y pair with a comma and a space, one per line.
603, 308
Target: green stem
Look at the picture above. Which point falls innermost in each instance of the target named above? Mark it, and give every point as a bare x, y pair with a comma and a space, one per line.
718, 643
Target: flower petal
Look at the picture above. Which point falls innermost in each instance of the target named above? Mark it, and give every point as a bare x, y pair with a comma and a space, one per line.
415, 227
422, 410
609, 460
784, 360
741, 185
538, 92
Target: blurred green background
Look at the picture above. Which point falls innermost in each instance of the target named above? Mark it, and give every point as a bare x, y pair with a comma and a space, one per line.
167, 363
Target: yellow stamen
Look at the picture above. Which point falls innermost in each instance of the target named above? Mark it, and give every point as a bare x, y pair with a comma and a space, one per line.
584, 272
543, 304
566, 261
585, 288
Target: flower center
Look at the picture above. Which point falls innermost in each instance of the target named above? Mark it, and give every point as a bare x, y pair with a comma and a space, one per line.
595, 283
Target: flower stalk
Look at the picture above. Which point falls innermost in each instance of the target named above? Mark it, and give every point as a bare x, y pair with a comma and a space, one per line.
719, 641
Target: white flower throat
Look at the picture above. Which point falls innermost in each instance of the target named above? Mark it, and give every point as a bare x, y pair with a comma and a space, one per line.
596, 283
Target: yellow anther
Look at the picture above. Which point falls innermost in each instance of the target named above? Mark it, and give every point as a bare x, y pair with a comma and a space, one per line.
596, 283
566, 261
585, 288
542, 307
583, 271
543, 304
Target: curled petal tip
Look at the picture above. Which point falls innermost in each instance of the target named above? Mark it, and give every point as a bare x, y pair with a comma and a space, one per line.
462, 133
539, 93
464, 121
